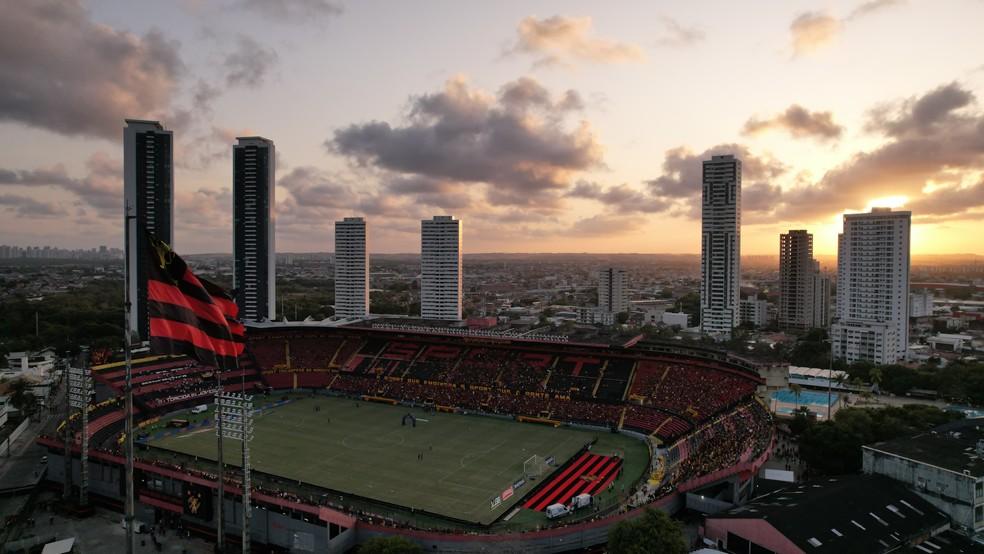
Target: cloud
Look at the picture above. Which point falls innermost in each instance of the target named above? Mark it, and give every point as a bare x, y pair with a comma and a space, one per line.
26, 206
682, 169
293, 10
604, 225
949, 200
933, 138
564, 40
65, 73
516, 146
813, 30
873, 6
101, 188
248, 65
676, 35
920, 115
798, 122
620, 198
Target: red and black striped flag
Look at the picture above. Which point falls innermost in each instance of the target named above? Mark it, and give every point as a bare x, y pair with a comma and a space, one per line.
189, 315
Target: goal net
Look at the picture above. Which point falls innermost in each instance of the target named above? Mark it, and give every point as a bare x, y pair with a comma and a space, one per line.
534, 467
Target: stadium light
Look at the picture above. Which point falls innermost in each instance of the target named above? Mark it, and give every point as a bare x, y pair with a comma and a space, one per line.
234, 420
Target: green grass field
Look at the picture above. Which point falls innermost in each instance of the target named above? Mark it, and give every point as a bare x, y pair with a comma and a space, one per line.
365, 451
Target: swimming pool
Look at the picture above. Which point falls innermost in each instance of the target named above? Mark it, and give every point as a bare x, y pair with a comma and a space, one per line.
806, 397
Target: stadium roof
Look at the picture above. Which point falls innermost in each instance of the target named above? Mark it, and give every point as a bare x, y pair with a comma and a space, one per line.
952, 446
947, 541
849, 514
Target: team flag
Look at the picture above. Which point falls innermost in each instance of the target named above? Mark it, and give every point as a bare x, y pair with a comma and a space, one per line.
189, 315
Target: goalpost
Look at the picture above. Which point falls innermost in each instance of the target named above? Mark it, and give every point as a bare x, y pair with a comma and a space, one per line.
534, 467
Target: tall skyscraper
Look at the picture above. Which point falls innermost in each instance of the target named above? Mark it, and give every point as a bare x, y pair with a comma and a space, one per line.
351, 268
797, 272
148, 190
613, 293
440, 264
720, 252
254, 266
873, 287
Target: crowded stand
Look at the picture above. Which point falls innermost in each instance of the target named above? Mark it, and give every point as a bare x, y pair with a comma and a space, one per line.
695, 391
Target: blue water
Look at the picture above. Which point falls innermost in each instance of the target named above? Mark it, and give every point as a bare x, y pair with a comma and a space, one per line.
806, 397
968, 412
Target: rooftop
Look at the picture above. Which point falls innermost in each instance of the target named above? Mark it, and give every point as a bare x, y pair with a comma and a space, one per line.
849, 514
952, 446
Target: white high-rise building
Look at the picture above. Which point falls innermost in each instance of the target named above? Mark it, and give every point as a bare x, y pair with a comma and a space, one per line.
148, 189
873, 287
440, 265
351, 268
720, 252
821, 298
254, 260
613, 293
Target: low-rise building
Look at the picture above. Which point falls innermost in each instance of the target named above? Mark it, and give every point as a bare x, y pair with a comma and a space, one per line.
945, 466
755, 311
678, 319
855, 513
950, 342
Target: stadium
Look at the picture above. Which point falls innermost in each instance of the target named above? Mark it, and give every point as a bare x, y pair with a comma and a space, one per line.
463, 441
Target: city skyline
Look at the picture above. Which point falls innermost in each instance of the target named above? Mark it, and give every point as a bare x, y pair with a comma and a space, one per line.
561, 128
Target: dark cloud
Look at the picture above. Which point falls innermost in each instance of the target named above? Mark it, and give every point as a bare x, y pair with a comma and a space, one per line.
682, 169
515, 146
25, 206
560, 40
927, 142
249, 64
101, 188
677, 35
949, 200
300, 11
620, 198
798, 122
920, 115
63, 72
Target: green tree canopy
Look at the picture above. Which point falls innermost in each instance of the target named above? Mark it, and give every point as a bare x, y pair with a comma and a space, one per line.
653, 532
390, 545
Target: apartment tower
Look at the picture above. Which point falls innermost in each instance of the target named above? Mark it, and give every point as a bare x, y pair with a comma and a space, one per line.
148, 190
254, 266
720, 245
613, 293
351, 268
440, 264
873, 287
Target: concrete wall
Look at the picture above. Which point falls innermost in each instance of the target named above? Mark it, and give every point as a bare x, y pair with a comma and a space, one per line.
951, 492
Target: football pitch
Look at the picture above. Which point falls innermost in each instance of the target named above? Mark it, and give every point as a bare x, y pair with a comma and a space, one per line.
449, 464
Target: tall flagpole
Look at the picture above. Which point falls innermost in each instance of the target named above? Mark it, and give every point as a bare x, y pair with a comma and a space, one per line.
128, 386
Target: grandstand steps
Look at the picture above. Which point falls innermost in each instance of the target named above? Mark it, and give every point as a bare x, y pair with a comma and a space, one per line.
412, 362
661, 379
332, 382
287, 353
601, 375
628, 383
331, 362
621, 418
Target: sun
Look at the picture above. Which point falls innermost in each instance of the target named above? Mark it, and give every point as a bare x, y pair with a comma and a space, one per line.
887, 202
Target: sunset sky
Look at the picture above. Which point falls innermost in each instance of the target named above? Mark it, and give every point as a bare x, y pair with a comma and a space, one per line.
545, 126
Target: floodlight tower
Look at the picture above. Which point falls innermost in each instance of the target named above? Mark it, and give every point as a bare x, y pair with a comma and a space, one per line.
234, 420
79, 393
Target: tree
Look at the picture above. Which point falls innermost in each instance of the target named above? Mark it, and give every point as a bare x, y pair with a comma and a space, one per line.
390, 545
622, 317
875, 374
653, 532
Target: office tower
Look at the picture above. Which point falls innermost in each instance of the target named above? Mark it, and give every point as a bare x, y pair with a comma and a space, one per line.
873, 287
148, 190
720, 252
254, 265
613, 294
796, 276
351, 268
440, 264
